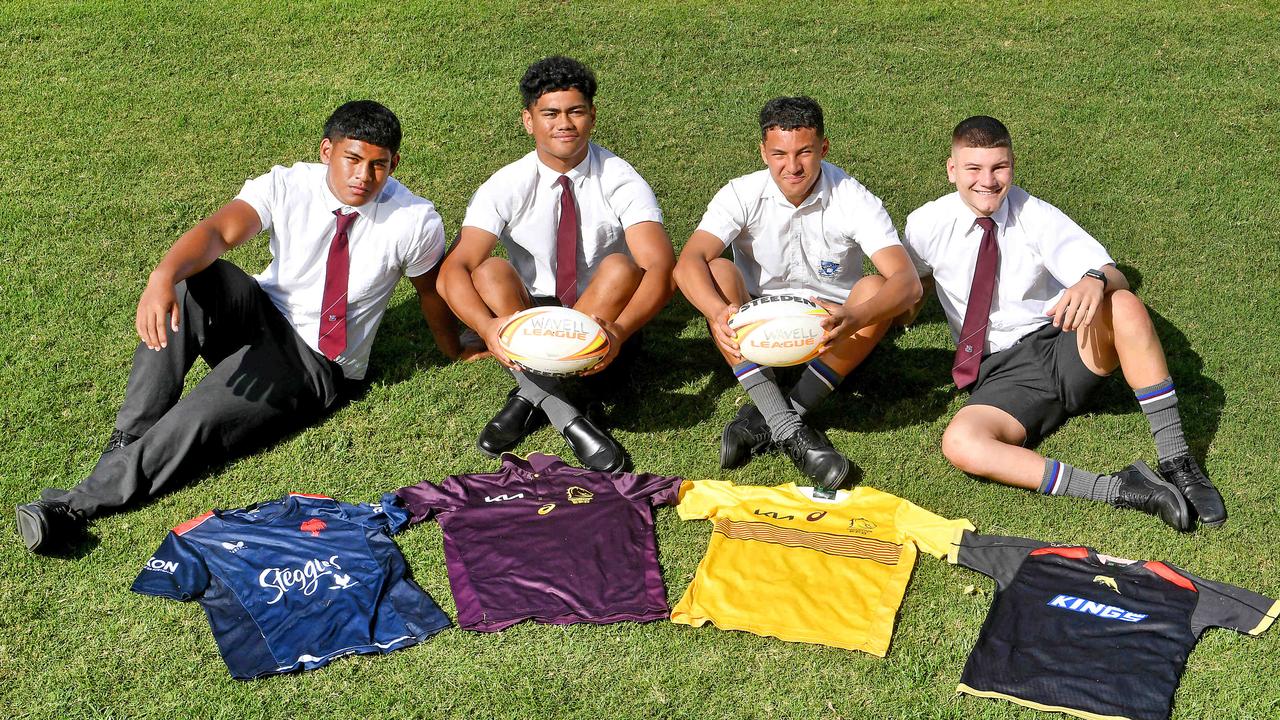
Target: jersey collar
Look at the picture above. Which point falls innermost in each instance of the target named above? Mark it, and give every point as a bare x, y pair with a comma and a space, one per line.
534, 463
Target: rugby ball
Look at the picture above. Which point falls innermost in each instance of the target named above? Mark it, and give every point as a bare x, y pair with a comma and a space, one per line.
779, 330
553, 341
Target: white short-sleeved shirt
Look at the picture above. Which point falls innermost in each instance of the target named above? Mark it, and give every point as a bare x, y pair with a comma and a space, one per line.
816, 248
397, 233
1042, 253
520, 203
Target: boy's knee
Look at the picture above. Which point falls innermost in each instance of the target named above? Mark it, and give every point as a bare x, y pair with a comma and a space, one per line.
621, 266
962, 448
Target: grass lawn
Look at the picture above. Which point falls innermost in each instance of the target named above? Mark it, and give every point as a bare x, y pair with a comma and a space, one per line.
1158, 130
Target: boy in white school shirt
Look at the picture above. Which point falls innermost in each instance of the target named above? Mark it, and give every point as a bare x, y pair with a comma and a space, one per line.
284, 347
1042, 316
800, 227
582, 229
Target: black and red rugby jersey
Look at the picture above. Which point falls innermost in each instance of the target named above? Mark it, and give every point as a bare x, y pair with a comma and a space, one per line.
1089, 635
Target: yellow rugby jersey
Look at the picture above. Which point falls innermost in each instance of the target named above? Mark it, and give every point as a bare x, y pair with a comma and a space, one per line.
784, 564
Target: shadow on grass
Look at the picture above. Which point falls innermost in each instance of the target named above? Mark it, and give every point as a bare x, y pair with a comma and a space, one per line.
649, 390
404, 346
1200, 398
894, 387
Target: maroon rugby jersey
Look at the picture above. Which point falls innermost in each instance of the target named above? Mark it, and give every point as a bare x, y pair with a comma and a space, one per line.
543, 540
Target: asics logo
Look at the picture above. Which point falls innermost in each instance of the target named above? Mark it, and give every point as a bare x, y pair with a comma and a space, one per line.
1097, 609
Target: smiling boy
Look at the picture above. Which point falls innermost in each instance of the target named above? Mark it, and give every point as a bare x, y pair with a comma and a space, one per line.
582, 229
1041, 316
800, 227
284, 347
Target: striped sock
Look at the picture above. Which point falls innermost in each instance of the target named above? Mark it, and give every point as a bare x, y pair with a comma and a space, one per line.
816, 382
1062, 479
763, 390
1160, 404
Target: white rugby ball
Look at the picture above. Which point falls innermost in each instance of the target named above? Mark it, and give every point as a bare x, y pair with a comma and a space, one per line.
553, 340
779, 330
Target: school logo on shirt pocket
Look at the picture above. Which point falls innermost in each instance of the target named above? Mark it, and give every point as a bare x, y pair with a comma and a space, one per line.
828, 269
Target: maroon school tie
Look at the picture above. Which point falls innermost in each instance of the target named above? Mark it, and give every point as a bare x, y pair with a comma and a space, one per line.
333, 308
973, 336
567, 245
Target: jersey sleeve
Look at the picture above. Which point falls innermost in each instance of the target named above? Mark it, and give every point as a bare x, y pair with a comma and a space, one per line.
997, 556
725, 217
428, 245
1234, 608
262, 194
656, 490
426, 500
700, 499
932, 533
387, 514
176, 570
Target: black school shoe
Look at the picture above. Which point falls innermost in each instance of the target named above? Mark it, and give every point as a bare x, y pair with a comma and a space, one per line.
47, 525
514, 421
1142, 489
1185, 474
593, 446
812, 453
744, 436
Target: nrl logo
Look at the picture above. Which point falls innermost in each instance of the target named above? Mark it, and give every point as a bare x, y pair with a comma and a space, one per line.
861, 526
579, 496
1107, 582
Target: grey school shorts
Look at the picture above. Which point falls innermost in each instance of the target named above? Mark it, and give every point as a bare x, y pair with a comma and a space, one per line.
1041, 381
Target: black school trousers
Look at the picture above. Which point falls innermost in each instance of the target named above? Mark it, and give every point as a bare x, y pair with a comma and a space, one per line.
264, 382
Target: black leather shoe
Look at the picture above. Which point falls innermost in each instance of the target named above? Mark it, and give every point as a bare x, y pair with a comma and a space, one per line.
48, 525
744, 436
119, 439
514, 421
1185, 474
813, 454
593, 446
1142, 489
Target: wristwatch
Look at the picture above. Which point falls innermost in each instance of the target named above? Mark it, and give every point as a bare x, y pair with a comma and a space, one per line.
1098, 274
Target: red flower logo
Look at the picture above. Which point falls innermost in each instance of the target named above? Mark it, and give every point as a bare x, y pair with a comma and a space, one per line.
313, 526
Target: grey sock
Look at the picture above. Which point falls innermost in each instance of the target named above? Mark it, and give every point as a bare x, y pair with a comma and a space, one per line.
760, 385
1062, 479
1160, 404
545, 392
815, 384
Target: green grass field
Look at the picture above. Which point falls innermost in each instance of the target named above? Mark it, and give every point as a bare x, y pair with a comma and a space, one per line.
124, 123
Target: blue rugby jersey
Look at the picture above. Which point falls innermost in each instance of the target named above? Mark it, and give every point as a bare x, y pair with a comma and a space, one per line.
294, 583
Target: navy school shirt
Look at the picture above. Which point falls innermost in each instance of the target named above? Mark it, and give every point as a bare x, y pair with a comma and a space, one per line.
294, 583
